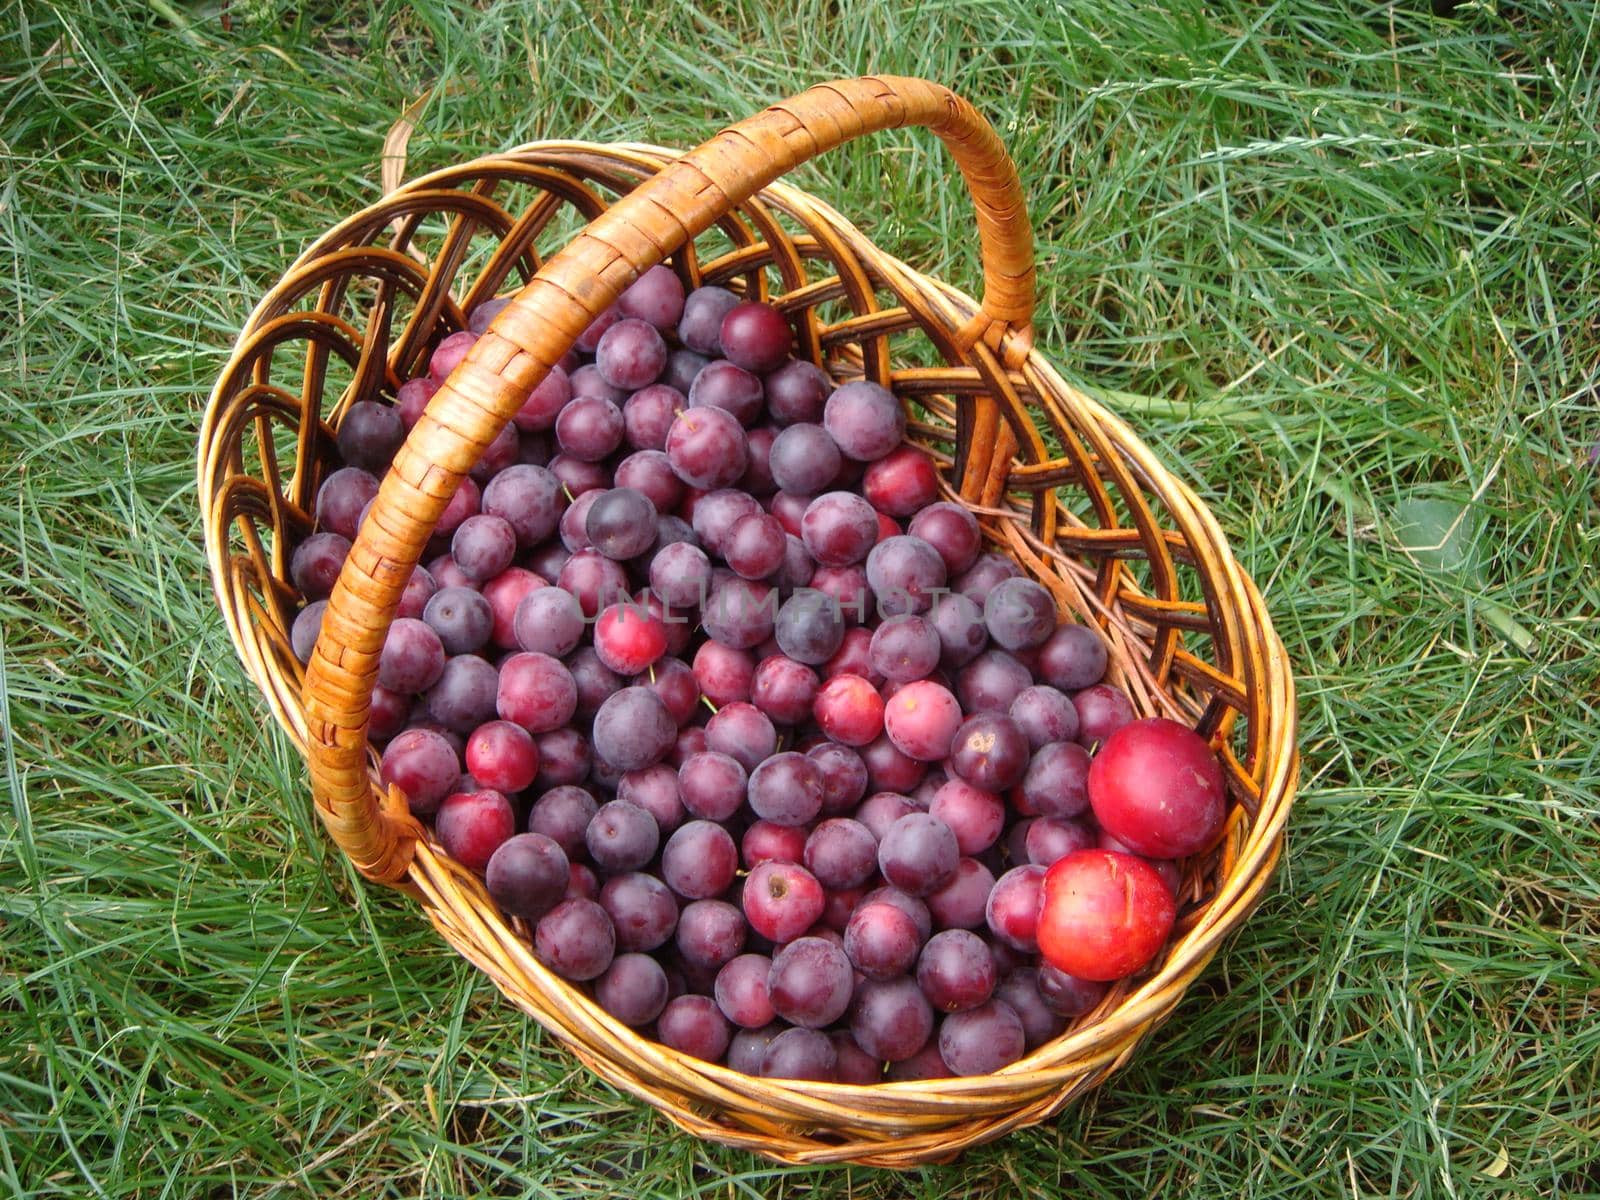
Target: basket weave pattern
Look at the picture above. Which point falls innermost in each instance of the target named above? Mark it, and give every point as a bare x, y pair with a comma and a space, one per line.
1059, 484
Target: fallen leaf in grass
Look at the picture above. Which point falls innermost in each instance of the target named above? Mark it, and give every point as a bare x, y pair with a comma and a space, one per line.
1442, 537
1498, 1167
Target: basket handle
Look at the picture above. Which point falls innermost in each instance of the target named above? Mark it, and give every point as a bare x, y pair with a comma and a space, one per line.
543, 321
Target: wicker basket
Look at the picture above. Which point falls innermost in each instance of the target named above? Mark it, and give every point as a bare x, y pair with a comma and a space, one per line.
1058, 483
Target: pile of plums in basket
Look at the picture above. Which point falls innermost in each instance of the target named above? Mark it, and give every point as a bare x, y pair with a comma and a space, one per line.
744, 723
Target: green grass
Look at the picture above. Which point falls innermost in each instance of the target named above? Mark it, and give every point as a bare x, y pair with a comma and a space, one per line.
1330, 257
